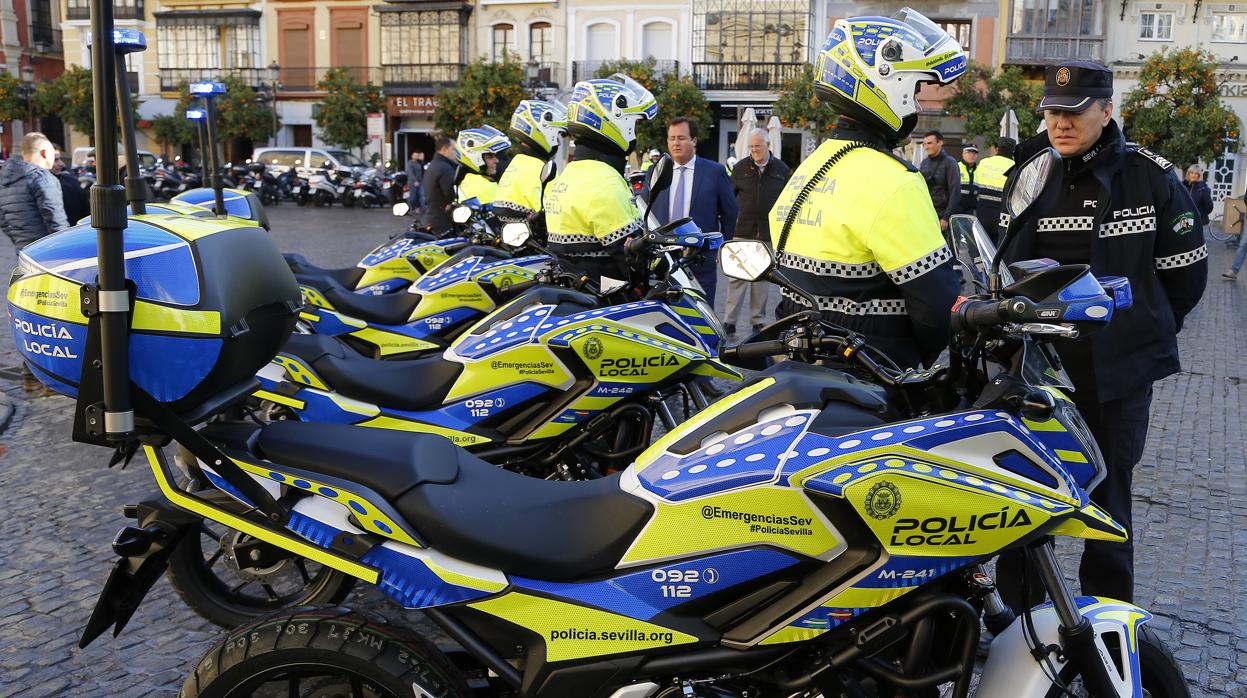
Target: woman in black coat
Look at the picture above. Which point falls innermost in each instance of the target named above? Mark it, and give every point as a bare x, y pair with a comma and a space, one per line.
1200, 193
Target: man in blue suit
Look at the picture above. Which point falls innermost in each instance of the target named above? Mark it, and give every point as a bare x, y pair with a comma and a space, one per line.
699, 189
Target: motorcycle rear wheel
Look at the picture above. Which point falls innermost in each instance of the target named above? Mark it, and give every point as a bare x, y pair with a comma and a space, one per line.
1160, 674
222, 595
331, 651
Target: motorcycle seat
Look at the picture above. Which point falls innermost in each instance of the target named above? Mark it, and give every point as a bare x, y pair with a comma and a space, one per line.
388, 309
320, 277
417, 384
467, 508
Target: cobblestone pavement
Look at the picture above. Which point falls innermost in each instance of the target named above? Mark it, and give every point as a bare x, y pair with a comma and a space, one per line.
63, 506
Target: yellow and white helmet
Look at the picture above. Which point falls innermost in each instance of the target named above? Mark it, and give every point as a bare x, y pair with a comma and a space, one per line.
607, 110
870, 68
472, 144
540, 124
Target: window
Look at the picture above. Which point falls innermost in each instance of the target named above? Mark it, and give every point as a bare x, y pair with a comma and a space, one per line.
600, 42
541, 42
201, 46
960, 29
504, 42
1229, 27
1156, 26
1058, 17
751, 31
422, 46
657, 41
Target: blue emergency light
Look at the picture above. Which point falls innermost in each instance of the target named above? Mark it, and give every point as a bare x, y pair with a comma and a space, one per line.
207, 89
195, 114
126, 40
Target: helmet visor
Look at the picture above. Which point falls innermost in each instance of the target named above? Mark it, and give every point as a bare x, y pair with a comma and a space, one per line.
929, 34
641, 98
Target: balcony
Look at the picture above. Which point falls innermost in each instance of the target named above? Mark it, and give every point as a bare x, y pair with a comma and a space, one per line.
172, 78
305, 79
744, 76
587, 70
420, 77
122, 9
541, 74
45, 39
1024, 49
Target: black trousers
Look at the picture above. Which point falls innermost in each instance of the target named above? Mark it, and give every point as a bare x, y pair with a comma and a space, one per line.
1107, 569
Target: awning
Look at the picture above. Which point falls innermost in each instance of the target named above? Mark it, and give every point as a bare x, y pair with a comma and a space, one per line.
155, 107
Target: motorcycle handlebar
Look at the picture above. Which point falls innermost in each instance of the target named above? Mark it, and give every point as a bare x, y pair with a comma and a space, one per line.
754, 350
973, 315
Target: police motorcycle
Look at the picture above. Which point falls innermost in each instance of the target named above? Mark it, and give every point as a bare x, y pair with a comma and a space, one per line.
795, 539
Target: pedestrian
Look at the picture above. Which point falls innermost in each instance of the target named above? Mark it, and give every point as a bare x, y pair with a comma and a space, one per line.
31, 206
439, 186
649, 161
1200, 193
415, 177
855, 227
990, 177
757, 182
967, 168
700, 189
75, 199
1241, 255
1124, 211
940, 171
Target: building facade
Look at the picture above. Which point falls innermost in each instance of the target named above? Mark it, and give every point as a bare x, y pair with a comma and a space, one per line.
1140, 29
31, 50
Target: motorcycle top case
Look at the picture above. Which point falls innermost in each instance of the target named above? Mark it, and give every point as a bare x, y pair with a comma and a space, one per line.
214, 301
238, 202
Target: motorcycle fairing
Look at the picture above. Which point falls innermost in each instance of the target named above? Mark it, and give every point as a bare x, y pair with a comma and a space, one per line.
1012, 671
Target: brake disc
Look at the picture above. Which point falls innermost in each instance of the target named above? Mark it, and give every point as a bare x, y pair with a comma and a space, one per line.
251, 559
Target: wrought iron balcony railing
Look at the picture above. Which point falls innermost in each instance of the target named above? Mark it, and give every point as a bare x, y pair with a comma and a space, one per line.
744, 75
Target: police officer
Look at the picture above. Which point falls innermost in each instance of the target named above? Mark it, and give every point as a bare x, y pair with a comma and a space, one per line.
990, 177
1124, 212
477, 150
968, 167
537, 129
589, 207
855, 226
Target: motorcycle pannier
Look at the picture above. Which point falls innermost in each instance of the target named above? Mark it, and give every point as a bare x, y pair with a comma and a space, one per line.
213, 302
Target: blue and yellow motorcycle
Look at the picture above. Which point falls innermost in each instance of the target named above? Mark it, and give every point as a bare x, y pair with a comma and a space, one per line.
813, 534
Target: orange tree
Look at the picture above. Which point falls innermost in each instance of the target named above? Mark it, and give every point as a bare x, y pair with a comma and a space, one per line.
487, 94
12, 106
799, 107
982, 99
1176, 110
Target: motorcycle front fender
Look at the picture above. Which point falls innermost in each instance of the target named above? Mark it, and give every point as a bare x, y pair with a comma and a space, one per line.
1013, 672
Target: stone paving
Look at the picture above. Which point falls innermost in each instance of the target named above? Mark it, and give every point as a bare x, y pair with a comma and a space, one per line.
63, 505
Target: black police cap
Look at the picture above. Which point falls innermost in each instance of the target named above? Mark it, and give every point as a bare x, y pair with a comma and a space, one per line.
1074, 85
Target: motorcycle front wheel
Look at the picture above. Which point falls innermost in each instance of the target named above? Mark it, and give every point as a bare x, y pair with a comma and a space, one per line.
213, 574
1159, 671
324, 652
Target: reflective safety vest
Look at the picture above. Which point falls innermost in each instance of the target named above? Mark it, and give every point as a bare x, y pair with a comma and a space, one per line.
990, 178
866, 243
478, 187
968, 187
589, 214
646, 165
519, 191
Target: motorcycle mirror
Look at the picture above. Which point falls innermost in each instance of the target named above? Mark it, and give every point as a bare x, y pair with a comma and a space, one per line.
401, 208
460, 173
461, 214
746, 260
1031, 189
659, 177
548, 172
515, 234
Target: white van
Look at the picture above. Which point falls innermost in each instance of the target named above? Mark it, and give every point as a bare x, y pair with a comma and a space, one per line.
307, 160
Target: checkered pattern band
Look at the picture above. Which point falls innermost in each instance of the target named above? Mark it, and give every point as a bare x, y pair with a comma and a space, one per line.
825, 268
616, 236
511, 212
918, 267
837, 304
1066, 223
570, 238
1129, 226
1005, 218
1182, 260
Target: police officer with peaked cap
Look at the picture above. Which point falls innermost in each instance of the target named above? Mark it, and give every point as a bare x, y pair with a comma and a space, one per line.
1123, 211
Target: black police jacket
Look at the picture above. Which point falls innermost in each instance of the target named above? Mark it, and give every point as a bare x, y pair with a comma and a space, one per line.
1146, 228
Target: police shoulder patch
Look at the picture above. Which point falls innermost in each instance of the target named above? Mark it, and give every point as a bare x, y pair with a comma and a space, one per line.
1160, 161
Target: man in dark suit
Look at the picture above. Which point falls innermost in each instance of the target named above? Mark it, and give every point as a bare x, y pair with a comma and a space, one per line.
699, 189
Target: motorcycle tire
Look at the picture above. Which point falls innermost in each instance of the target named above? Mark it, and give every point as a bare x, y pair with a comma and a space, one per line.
348, 202
329, 651
195, 580
1160, 673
